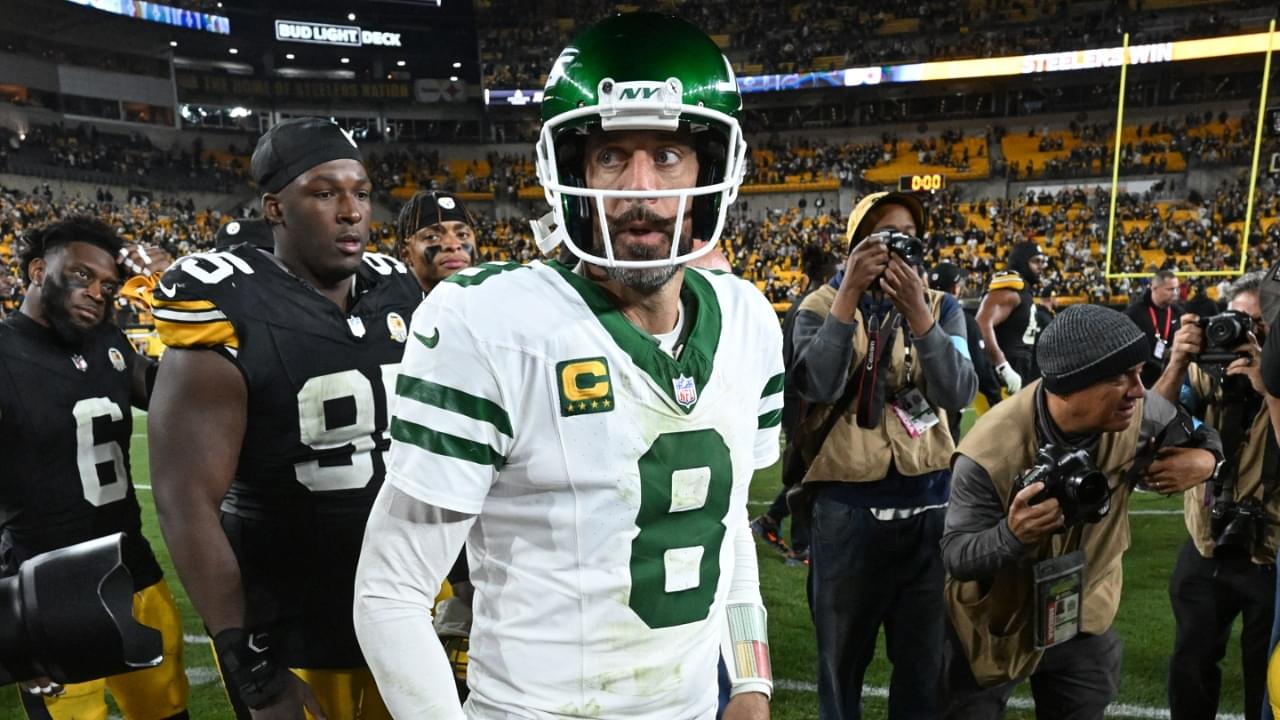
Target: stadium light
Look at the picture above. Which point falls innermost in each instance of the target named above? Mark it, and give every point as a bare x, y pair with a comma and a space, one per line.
453, 78
457, 65
346, 60
233, 51
351, 17
173, 43
399, 63
288, 56
240, 112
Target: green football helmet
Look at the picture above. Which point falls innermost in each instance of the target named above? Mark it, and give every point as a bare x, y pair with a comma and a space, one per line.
638, 71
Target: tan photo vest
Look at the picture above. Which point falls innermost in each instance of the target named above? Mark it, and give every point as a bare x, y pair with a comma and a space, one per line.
1248, 474
993, 617
854, 454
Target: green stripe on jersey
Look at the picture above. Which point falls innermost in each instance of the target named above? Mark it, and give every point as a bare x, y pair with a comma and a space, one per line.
774, 385
447, 398
445, 444
769, 419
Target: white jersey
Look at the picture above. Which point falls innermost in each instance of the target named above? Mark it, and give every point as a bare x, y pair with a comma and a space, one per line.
609, 480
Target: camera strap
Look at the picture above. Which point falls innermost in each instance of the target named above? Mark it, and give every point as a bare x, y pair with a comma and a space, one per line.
1231, 425
873, 376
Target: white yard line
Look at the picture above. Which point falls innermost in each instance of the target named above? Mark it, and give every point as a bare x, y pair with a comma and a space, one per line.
765, 503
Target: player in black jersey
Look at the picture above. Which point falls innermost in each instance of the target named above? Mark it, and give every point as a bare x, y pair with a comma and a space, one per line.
269, 424
1007, 317
67, 380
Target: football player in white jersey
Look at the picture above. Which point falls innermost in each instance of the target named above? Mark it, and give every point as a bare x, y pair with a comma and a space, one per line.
590, 432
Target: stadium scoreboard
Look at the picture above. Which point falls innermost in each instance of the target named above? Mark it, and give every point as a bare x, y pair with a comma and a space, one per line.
928, 182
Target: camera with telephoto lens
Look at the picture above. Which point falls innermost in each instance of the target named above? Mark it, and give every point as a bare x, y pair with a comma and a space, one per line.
1070, 477
1237, 525
1222, 334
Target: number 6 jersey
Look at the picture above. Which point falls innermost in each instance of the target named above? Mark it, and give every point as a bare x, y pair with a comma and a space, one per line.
311, 461
65, 426
609, 479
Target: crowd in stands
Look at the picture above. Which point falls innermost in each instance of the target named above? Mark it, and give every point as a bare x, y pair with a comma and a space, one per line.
1083, 149
1087, 149
518, 40
170, 224
1183, 231
86, 154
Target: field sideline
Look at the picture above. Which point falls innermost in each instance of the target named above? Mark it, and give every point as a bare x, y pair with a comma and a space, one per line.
1145, 621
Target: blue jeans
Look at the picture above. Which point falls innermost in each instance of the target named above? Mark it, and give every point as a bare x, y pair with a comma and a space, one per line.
867, 572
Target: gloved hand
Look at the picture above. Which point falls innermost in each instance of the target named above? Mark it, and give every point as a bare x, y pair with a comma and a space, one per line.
1009, 377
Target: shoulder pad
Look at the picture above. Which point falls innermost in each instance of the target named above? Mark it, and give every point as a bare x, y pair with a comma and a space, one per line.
1006, 281
185, 302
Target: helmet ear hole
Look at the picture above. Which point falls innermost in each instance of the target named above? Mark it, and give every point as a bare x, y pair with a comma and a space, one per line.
712, 150
571, 161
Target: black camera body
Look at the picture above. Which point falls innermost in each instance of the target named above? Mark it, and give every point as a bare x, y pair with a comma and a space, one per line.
1237, 525
1222, 334
908, 247
1070, 477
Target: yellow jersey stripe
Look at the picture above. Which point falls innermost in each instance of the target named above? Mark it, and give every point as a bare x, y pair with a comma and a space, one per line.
1002, 281
159, 302
215, 333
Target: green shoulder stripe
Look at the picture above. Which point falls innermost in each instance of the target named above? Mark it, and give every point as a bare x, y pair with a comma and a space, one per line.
454, 400
446, 444
769, 419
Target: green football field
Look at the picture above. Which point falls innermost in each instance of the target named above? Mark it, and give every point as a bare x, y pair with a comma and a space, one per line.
1145, 621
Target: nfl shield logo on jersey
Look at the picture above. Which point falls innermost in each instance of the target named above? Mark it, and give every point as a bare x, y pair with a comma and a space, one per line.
79, 362
117, 359
395, 324
686, 391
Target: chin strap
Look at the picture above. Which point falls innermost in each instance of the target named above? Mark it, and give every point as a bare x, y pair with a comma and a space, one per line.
547, 234
745, 647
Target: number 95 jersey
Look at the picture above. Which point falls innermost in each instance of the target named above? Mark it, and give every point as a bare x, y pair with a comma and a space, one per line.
609, 478
311, 460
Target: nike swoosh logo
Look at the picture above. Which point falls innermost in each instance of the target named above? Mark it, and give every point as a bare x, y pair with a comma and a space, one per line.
170, 291
429, 341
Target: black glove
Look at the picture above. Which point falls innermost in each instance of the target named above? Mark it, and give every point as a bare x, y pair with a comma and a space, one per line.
248, 666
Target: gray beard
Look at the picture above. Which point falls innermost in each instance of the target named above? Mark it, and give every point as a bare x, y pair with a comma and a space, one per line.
645, 281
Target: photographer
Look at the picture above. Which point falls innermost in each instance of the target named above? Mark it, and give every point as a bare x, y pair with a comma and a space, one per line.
1227, 567
1269, 299
1157, 314
1035, 533
881, 360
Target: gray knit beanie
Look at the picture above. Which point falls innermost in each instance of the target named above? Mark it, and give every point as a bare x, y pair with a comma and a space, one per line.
1086, 344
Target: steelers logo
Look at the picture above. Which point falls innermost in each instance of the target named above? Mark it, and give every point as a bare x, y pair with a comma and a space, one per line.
117, 359
447, 203
395, 325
